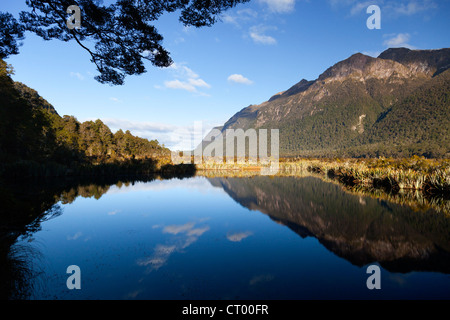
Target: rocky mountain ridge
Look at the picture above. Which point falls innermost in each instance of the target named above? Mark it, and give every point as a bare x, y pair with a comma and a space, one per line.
339, 113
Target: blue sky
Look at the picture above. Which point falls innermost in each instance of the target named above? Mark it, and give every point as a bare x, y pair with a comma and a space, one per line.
258, 49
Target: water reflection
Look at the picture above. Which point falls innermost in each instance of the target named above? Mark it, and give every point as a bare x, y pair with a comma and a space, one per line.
360, 229
25, 205
183, 236
238, 236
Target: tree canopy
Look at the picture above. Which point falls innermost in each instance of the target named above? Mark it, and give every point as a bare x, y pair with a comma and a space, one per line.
119, 36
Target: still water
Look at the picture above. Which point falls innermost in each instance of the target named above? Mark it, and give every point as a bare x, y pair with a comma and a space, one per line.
222, 238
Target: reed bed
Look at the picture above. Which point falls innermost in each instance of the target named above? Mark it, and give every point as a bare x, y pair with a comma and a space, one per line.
416, 173
417, 182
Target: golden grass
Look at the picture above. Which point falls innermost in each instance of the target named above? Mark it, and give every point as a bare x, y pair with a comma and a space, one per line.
414, 173
417, 182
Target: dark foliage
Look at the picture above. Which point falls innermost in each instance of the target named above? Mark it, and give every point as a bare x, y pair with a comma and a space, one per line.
35, 141
118, 36
10, 32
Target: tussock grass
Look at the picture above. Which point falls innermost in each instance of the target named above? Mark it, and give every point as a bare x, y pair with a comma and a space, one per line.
416, 173
417, 182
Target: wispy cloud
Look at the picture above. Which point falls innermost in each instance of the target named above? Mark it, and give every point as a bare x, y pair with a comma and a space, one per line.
190, 85
75, 236
114, 99
393, 8
159, 258
257, 33
240, 17
238, 236
361, 6
279, 6
77, 75
409, 8
261, 279
398, 40
239, 78
174, 137
181, 70
162, 252
186, 79
148, 126
176, 229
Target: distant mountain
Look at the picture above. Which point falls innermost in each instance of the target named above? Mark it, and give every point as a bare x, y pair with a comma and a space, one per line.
395, 105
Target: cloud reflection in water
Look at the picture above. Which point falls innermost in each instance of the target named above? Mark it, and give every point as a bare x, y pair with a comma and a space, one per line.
189, 234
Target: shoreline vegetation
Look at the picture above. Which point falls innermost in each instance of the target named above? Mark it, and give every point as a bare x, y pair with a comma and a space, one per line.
420, 183
431, 176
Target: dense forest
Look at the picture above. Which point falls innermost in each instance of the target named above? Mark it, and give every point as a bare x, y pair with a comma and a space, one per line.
36, 141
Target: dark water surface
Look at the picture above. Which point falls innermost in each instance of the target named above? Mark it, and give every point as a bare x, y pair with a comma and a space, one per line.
219, 238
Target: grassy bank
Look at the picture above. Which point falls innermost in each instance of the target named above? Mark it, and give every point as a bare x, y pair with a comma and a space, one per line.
431, 176
419, 183
428, 175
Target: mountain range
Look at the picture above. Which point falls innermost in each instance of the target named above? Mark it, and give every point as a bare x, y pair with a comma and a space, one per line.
397, 104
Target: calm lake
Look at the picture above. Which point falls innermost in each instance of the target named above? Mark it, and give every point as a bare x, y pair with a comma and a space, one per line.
219, 238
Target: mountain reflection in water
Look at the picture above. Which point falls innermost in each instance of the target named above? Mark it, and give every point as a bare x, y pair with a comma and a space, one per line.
192, 230
360, 229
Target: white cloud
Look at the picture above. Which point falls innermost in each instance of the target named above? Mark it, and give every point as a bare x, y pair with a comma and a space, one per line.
257, 33
114, 99
179, 40
180, 70
199, 83
189, 85
186, 79
360, 6
77, 75
184, 236
399, 40
239, 78
173, 137
388, 7
177, 84
176, 229
411, 7
239, 236
240, 17
75, 236
117, 124
229, 19
197, 232
279, 6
